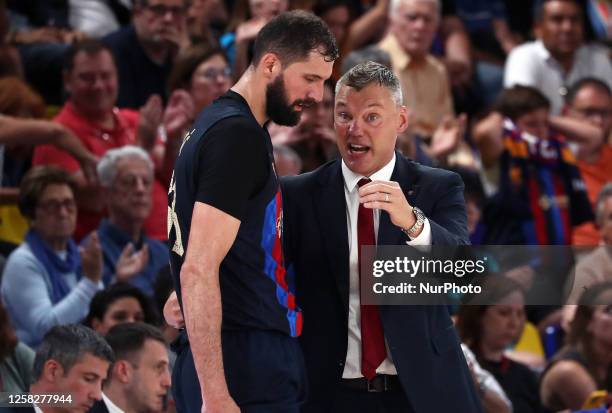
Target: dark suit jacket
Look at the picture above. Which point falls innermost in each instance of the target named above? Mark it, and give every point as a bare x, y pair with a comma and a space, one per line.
98, 407
422, 340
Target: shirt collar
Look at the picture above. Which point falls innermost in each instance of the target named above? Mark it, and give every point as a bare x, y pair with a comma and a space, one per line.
112, 407
542, 50
351, 179
399, 57
120, 123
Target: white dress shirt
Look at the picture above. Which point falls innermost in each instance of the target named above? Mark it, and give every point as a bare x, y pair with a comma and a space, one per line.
112, 407
531, 64
352, 367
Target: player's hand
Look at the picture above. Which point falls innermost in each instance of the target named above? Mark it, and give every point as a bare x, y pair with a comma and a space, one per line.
220, 405
172, 312
388, 196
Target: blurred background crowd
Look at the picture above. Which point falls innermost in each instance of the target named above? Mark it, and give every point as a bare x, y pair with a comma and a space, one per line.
96, 95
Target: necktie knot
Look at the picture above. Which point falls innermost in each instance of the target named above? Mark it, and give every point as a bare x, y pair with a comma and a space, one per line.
363, 181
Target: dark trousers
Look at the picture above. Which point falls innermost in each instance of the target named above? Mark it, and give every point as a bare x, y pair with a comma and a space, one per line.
358, 401
264, 371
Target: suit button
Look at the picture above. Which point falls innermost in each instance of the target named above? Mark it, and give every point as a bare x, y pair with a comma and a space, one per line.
341, 364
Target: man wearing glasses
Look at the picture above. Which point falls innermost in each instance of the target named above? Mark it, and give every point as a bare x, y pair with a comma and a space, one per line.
145, 50
590, 100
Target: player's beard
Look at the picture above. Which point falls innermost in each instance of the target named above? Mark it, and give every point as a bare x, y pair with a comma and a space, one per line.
278, 109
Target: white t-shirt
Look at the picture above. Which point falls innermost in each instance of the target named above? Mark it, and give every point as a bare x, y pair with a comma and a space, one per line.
531, 64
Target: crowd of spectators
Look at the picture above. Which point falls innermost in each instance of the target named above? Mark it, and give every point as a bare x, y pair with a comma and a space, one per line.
96, 97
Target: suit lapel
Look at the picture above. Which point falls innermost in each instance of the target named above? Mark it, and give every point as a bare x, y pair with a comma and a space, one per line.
406, 175
330, 207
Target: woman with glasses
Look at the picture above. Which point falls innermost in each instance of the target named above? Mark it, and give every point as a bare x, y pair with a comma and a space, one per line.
584, 364
47, 280
203, 72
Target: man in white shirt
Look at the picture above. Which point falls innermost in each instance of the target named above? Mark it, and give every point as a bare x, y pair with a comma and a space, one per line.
139, 379
364, 358
72, 361
559, 57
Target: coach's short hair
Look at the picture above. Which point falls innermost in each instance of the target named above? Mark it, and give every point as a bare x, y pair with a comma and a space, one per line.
292, 36
68, 344
365, 74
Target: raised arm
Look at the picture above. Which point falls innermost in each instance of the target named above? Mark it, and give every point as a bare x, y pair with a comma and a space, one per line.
15, 131
588, 137
488, 137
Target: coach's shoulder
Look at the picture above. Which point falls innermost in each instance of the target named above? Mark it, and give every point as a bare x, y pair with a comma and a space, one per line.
427, 175
308, 180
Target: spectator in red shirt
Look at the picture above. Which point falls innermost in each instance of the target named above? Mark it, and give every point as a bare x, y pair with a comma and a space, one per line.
90, 78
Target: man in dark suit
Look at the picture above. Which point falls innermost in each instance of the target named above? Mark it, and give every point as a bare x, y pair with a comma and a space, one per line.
139, 379
373, 358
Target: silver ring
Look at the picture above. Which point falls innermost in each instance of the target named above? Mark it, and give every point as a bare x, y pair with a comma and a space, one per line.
386, 197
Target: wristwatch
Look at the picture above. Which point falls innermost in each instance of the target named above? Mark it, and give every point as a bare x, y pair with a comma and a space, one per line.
416, 227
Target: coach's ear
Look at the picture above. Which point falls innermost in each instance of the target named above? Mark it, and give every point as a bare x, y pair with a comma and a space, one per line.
270, 65
404, 117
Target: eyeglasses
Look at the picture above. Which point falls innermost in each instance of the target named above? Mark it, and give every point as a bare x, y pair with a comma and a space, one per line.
159, 10
213, 73
53, 206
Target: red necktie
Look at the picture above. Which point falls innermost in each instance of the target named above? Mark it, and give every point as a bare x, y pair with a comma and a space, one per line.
373, 351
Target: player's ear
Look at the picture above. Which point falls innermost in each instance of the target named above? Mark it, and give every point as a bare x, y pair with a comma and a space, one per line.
270, 65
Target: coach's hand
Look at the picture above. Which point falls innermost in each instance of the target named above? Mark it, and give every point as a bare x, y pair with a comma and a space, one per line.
388, 196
